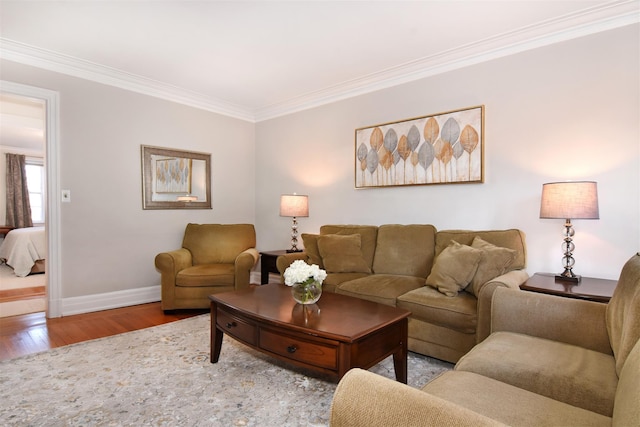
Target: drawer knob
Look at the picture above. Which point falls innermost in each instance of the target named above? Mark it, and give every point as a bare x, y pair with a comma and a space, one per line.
292, 349
231, 325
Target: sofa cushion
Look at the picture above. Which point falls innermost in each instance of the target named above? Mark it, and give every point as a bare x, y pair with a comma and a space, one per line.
454, 268
310, 242
405, 249
494, 262
368, 235
334, 280
342, 254
508, 404
626, 411
381, 288
512, 239
573, 375
429, 305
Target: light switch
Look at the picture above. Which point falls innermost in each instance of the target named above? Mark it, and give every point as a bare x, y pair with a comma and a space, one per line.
66, 196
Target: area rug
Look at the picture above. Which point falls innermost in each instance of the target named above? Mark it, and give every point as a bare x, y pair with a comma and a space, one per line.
162, 376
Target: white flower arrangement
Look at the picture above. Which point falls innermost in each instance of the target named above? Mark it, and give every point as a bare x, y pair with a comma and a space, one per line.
301, 272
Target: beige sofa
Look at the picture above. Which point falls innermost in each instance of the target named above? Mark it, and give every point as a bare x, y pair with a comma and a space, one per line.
445, 278
550, 361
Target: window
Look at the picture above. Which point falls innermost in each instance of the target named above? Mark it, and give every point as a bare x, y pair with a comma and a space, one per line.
35, 184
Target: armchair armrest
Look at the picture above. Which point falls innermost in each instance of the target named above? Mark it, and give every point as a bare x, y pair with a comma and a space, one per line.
284, 261
364, 399
513, 280
244, 263
169, 264
572, 321
174, 261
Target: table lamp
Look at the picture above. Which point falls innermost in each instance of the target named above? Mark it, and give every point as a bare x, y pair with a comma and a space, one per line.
294, 205
569, 200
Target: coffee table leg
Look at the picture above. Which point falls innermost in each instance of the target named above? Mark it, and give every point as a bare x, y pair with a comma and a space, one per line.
216, 335
400, 356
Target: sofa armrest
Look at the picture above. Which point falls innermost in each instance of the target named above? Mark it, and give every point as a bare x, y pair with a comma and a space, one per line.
284, 261
513, 280
365, 399
567, 320
244, 263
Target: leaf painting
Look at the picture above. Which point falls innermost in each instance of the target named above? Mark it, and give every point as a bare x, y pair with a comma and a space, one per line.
431, 130
469, 141
435, 149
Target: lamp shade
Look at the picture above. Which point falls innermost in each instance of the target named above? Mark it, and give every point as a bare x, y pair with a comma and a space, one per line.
294, 205
570, 200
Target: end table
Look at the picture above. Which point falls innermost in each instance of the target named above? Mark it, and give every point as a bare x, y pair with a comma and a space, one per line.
268, 264
589, 288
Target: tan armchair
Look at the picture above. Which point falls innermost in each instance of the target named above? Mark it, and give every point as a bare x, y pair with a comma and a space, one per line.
213, 258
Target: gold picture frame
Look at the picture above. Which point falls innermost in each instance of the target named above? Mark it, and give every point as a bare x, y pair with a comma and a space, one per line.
175, 179
442, 148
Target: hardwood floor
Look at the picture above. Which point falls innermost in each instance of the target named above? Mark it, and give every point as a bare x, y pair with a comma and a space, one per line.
32, 333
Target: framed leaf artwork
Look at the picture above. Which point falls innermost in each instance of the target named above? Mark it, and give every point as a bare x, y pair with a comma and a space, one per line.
443, 148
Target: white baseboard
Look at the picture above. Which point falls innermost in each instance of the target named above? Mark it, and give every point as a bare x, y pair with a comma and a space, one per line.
106, 301
254, 277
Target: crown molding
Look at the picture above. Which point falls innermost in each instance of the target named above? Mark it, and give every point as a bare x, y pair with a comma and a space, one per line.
588, 21
69, 65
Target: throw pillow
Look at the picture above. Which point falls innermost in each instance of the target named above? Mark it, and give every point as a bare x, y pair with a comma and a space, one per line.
454, 268
494, 262
310, 242
342, 253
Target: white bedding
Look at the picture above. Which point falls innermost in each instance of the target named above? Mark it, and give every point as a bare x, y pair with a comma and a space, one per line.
22, 247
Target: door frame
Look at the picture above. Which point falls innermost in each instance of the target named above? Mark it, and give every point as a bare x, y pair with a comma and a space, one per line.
53, 268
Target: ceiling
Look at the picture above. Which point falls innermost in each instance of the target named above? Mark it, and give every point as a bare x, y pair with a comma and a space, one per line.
256, 60
22, 123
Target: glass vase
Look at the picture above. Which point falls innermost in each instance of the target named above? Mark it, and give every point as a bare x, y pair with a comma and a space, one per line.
306, 293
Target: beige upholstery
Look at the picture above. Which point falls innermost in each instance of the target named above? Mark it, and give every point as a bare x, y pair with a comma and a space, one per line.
550, 361
395, 264
213, 258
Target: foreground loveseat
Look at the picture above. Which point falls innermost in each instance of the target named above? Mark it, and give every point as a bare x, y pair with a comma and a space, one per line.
445, 278
550, 361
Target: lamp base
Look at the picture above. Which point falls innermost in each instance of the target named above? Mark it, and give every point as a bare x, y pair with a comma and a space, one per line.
290, 251
573, 278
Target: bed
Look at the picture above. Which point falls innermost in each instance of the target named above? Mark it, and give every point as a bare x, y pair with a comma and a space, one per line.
25, 250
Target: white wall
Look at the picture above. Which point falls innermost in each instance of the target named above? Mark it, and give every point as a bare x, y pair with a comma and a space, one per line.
108, 241
569, 111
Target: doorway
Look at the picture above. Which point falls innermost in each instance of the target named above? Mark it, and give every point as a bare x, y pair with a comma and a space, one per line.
31, 98
22, 131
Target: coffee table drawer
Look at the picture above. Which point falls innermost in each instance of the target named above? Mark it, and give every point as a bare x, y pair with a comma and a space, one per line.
321, 355
235, 327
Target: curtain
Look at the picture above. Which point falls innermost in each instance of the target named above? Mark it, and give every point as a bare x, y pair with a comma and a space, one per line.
18, 207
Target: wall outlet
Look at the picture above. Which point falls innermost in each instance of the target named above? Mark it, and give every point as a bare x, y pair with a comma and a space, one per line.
66, 196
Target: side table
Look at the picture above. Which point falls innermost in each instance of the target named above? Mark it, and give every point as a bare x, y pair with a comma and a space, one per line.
589, 288
268, 264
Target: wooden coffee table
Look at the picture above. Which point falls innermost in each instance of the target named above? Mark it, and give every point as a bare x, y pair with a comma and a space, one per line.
330, 337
